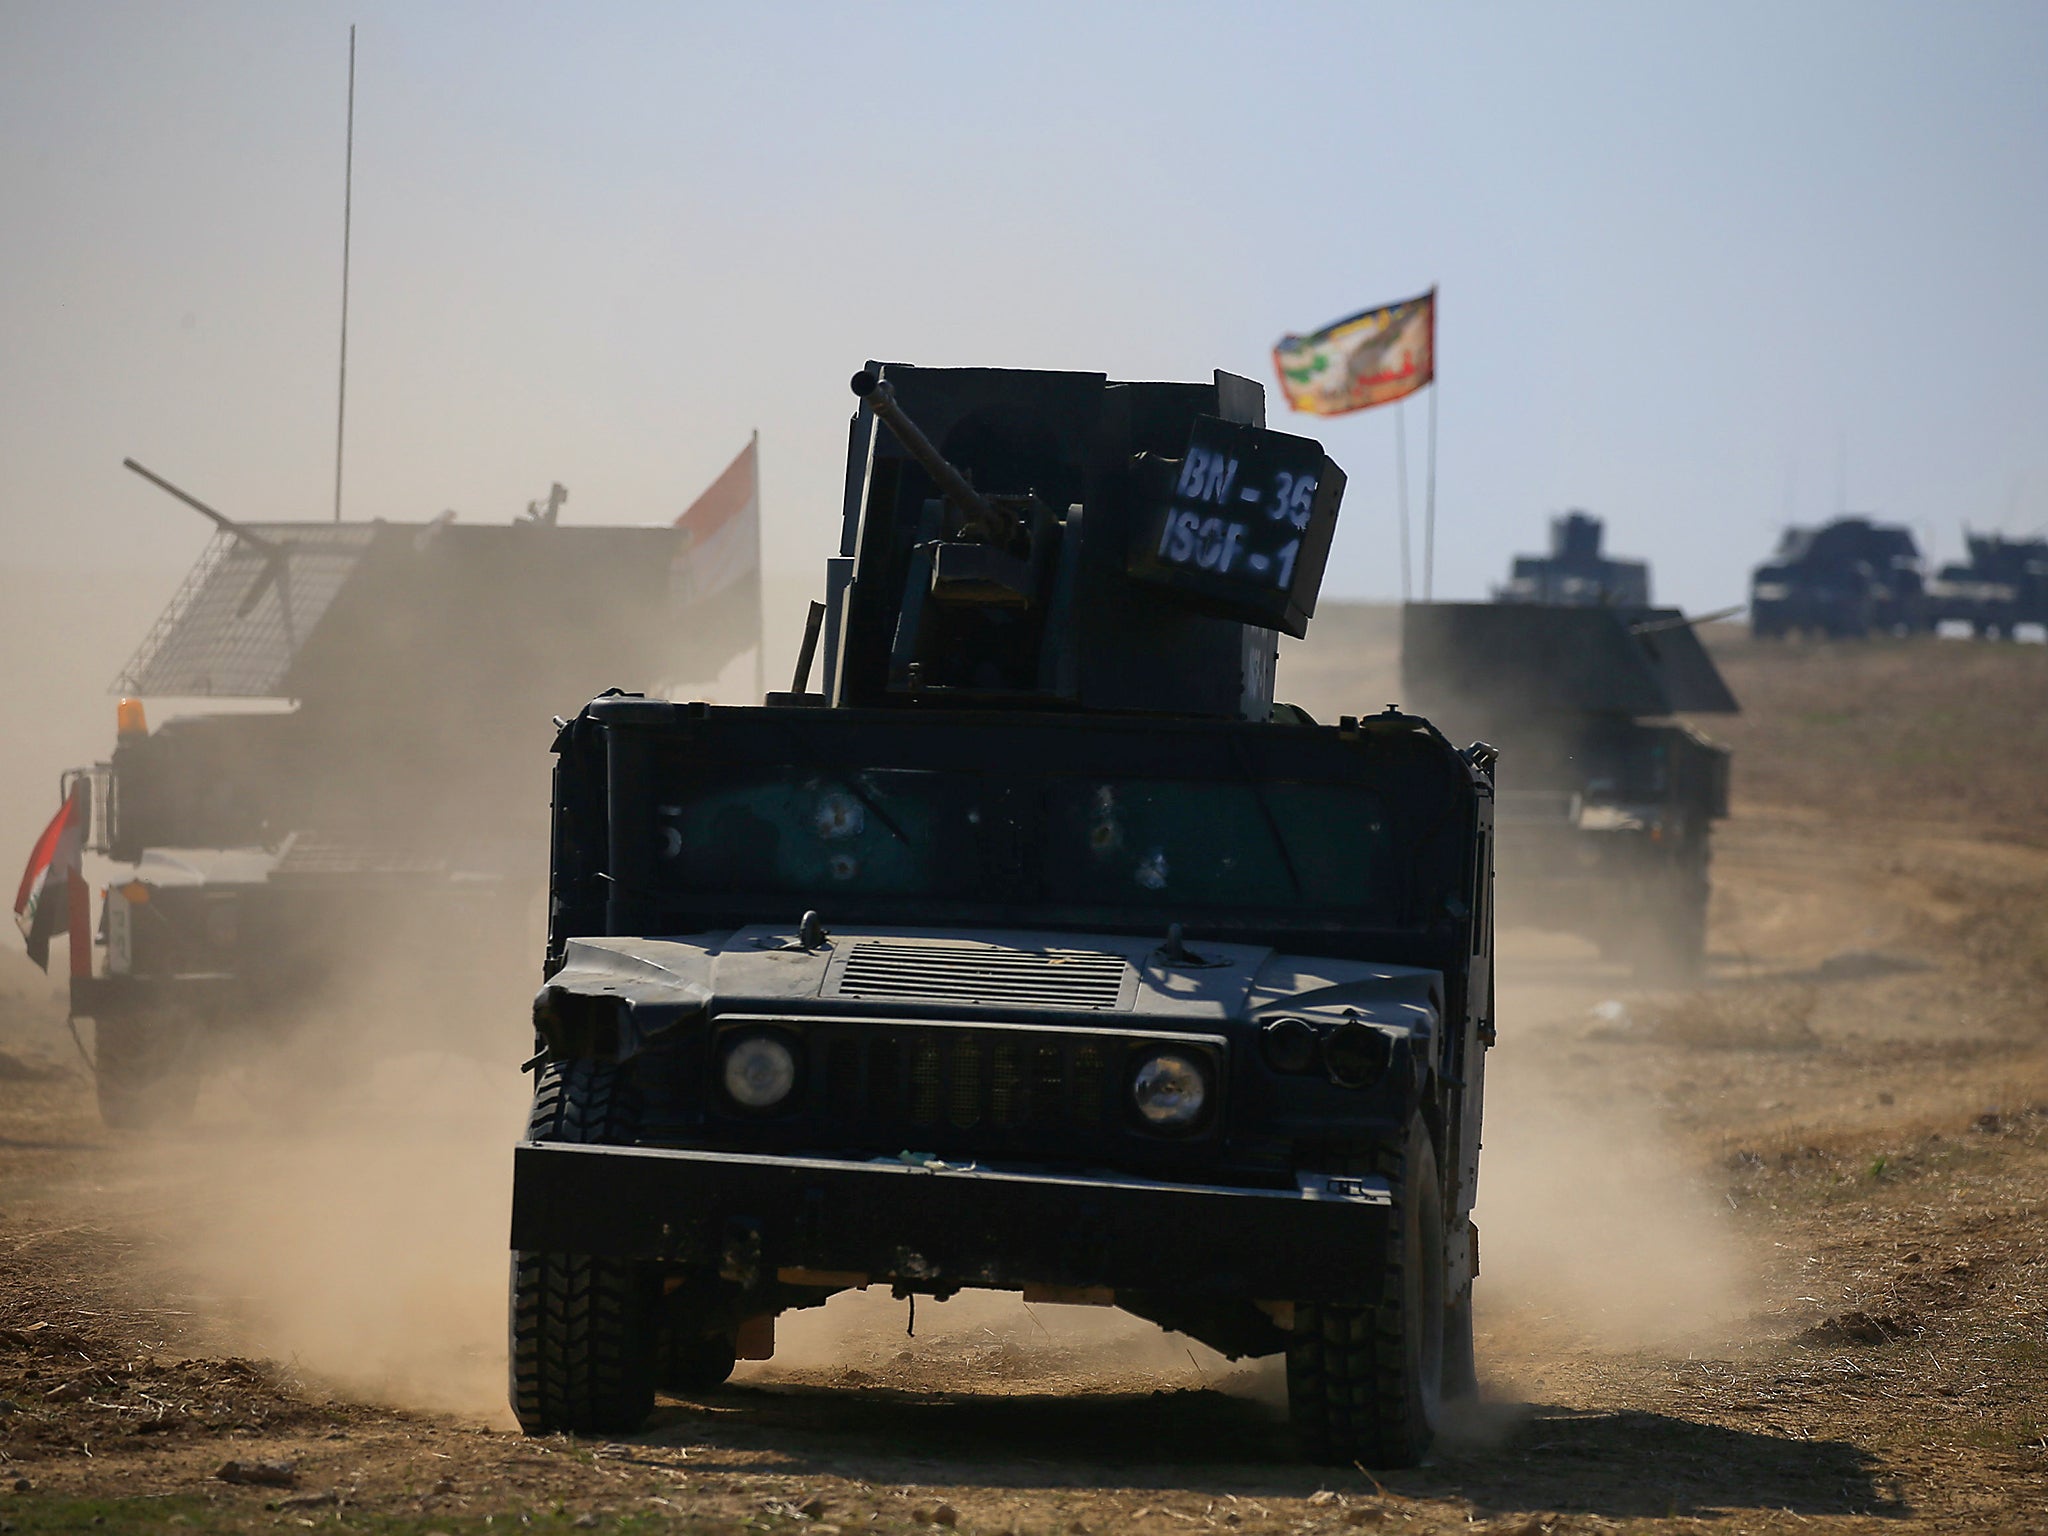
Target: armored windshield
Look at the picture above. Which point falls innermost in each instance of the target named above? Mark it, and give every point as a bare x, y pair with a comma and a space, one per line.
1095, 841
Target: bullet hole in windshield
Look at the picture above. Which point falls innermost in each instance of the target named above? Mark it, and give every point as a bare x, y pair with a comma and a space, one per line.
1151, 870
838, 815
1106, 834
843, 866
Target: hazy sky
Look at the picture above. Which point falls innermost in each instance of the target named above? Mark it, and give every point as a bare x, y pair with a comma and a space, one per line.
1696, 261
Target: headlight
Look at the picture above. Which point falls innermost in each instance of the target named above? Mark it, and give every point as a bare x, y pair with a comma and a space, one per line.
1169, 1090
1356, 1054
1290, 1045
759, 1071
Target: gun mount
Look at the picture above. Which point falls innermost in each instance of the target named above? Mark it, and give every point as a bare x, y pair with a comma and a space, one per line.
1061, 540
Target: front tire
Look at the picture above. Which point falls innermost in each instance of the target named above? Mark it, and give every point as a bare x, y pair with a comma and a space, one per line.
585, 1329
1366, 1383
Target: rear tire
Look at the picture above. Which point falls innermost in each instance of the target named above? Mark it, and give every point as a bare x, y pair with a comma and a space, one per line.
1366, 1383
145, 1072
585, 1329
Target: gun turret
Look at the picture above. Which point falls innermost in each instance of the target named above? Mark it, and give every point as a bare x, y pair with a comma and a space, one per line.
1042, 540
275, 571
880, 396
992, 550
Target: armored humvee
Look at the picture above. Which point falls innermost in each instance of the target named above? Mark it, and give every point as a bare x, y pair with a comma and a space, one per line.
1037, 950
362, 841
1576, 572
1843, 580
2002, 585
1606, 829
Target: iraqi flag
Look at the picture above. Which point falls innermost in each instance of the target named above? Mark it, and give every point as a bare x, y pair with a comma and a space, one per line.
42, 907
1371, 358
715, 579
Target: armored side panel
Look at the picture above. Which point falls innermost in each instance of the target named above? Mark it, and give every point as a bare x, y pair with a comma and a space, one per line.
1065, 609
1519, 659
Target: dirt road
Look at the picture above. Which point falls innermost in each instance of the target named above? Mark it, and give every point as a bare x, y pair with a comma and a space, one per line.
1771, 1254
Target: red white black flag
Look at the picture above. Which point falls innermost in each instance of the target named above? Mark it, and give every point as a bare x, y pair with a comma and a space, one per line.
715, 581
42, 907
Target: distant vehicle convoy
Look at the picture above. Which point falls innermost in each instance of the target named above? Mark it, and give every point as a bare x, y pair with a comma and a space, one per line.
1852, 577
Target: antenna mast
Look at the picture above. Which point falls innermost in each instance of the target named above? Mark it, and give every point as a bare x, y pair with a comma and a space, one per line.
348, 183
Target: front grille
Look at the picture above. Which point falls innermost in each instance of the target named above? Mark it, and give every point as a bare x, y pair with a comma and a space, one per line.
955, 972
890, 1078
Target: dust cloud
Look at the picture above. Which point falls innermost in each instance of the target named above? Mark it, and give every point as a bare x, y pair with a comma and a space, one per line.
1591, 1214
353, 1228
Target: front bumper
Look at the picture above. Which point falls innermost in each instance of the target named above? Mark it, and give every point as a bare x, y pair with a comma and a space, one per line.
937, 1229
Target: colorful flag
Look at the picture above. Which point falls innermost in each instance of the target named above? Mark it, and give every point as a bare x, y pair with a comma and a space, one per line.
42, 907
1369, 359
715, 578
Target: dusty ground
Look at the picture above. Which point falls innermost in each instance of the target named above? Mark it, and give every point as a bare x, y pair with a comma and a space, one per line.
1769, 1255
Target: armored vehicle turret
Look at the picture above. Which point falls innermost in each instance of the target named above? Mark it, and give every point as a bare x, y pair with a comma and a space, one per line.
350, 839
1575, 573
1028, 946
1843, 580
1604, 828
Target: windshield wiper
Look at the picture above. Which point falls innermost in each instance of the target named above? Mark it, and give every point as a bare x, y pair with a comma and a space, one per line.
852, 786
1266, 813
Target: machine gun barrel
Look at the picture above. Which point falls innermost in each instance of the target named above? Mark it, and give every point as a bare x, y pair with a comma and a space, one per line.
255, 541
881, 399
1665, 626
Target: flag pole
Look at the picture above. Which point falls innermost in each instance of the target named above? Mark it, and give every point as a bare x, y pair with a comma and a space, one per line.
348, 184
1401, 487
760, 580
1429, 504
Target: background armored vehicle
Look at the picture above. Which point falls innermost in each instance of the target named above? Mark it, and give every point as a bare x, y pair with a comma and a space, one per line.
2003, 584
1575, 572
1605, 813
1039, 951
1845, 579
364, 845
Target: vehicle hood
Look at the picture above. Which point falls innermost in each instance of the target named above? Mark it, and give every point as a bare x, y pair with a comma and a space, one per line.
992, 974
